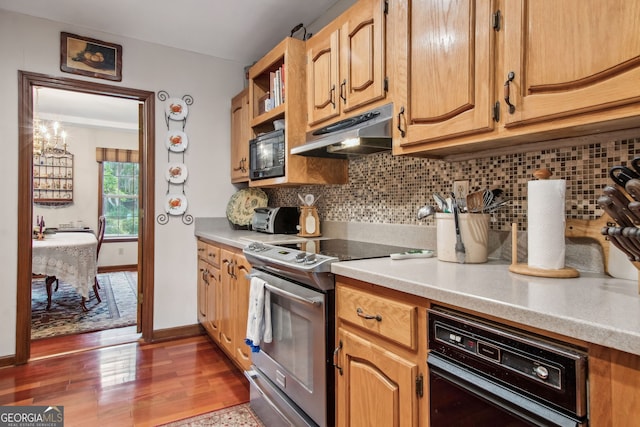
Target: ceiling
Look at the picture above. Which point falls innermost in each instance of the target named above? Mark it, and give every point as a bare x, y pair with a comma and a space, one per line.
239, 30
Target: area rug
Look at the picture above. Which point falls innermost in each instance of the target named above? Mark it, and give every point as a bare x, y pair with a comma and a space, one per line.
234, 416
118, 308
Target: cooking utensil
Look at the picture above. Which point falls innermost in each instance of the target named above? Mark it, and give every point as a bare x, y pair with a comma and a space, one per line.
441, 202
426, 211
475, 201
309, 199
460, 251
622, 174
302, 199
606, 204
633, 188
613, 239
487, 198
621, 203
635, 163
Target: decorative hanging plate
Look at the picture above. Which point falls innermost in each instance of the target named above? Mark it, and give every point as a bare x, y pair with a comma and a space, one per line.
176, 109
241, 205
176, 173
175, 204
177, 141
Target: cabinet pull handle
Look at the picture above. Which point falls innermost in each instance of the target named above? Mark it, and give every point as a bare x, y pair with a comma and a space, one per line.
335, 357
343, 91
362, 314
241, 165
332, 95
507, 91
400, 115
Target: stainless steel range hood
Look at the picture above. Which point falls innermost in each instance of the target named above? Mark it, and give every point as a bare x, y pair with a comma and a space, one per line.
365, 133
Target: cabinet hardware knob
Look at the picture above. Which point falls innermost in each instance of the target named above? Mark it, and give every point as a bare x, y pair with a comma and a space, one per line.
343, 91
332, 95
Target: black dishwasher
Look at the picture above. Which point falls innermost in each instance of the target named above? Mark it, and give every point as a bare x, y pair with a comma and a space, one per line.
485, 374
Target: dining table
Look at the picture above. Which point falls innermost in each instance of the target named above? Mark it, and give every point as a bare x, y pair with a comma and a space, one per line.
70, 257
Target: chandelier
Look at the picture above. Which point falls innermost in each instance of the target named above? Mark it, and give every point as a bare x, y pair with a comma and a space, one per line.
48, 137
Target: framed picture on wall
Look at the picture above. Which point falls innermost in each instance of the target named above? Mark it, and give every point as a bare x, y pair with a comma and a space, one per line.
90, 57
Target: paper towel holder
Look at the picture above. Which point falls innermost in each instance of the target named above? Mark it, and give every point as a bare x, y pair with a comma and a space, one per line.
519, 268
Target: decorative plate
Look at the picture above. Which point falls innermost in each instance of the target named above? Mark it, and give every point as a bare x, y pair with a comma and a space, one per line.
176, 173
177, 141
176, 109
175, 204
241, 205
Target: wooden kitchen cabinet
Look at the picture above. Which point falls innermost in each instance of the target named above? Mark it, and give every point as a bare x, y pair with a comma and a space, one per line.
240, 136
561, 67
209, 288
234, 306
614, 381
223, 299
380, 364
570, 58
346, 62
450, 67
288, 57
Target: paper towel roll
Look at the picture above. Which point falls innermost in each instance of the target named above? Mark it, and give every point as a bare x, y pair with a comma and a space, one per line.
545, 223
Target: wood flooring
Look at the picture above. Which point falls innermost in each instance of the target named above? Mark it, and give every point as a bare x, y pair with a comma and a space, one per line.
106, 382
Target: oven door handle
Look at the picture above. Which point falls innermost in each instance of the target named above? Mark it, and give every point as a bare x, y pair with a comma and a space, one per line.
516, 403
274, 289
293, 296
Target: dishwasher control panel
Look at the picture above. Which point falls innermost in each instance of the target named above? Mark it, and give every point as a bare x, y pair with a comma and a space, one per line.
519, 360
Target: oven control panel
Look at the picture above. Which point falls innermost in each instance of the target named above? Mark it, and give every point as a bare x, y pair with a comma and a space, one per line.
299, 259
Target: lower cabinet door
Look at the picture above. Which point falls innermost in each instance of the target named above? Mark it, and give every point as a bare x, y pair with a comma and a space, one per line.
376, 387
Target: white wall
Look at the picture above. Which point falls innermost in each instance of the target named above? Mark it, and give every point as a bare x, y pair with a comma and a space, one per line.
33, 45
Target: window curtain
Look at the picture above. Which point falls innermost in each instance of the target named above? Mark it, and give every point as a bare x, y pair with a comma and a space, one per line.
116, 155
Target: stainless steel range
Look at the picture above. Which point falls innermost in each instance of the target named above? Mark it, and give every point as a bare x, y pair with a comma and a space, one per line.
292, 380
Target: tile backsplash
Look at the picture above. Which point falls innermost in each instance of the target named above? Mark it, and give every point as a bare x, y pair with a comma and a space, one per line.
389, 189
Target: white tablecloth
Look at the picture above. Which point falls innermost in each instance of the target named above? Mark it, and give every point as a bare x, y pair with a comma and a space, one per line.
71, 257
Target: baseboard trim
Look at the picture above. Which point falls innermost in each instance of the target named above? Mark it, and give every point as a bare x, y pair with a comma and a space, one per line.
114, 268
7, 361
177, 333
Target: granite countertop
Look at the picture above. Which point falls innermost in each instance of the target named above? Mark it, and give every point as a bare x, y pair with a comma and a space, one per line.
593, 307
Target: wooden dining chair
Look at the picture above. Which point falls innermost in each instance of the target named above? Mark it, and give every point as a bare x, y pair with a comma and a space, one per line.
101, 226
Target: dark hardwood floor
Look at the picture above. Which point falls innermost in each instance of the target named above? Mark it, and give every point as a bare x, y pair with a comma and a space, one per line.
110, 378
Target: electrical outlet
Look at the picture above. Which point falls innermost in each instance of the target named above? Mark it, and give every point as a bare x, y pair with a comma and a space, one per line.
460, 190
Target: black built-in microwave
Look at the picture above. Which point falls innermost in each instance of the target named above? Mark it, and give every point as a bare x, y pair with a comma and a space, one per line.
267, 154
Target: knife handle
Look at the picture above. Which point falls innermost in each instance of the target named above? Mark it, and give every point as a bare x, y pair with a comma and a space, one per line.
606, 204
621, 202
633, 188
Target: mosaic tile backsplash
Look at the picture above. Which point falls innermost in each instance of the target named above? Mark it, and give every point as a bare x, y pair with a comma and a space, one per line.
390, 189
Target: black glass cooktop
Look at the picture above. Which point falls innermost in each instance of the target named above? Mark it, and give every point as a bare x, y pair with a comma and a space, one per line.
346, 250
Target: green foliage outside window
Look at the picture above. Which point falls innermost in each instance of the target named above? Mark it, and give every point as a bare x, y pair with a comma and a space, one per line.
120, 198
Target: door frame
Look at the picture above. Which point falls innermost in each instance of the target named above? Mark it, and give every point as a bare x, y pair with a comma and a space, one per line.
26, 83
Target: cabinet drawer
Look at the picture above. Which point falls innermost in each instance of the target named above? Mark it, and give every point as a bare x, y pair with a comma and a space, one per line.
390, 319
209, 253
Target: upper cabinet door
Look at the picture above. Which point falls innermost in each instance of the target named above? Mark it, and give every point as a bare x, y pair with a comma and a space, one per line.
362, 60
322, 77
570, 57
240, 135
451, 66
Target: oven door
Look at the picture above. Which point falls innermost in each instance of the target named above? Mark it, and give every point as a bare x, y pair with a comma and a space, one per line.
461, 397
295, 361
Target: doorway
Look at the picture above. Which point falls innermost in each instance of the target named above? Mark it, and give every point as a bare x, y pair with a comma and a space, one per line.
27, 82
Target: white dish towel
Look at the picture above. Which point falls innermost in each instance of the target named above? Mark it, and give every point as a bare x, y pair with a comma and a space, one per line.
259, 317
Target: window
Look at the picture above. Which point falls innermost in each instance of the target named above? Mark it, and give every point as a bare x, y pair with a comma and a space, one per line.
119, 186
